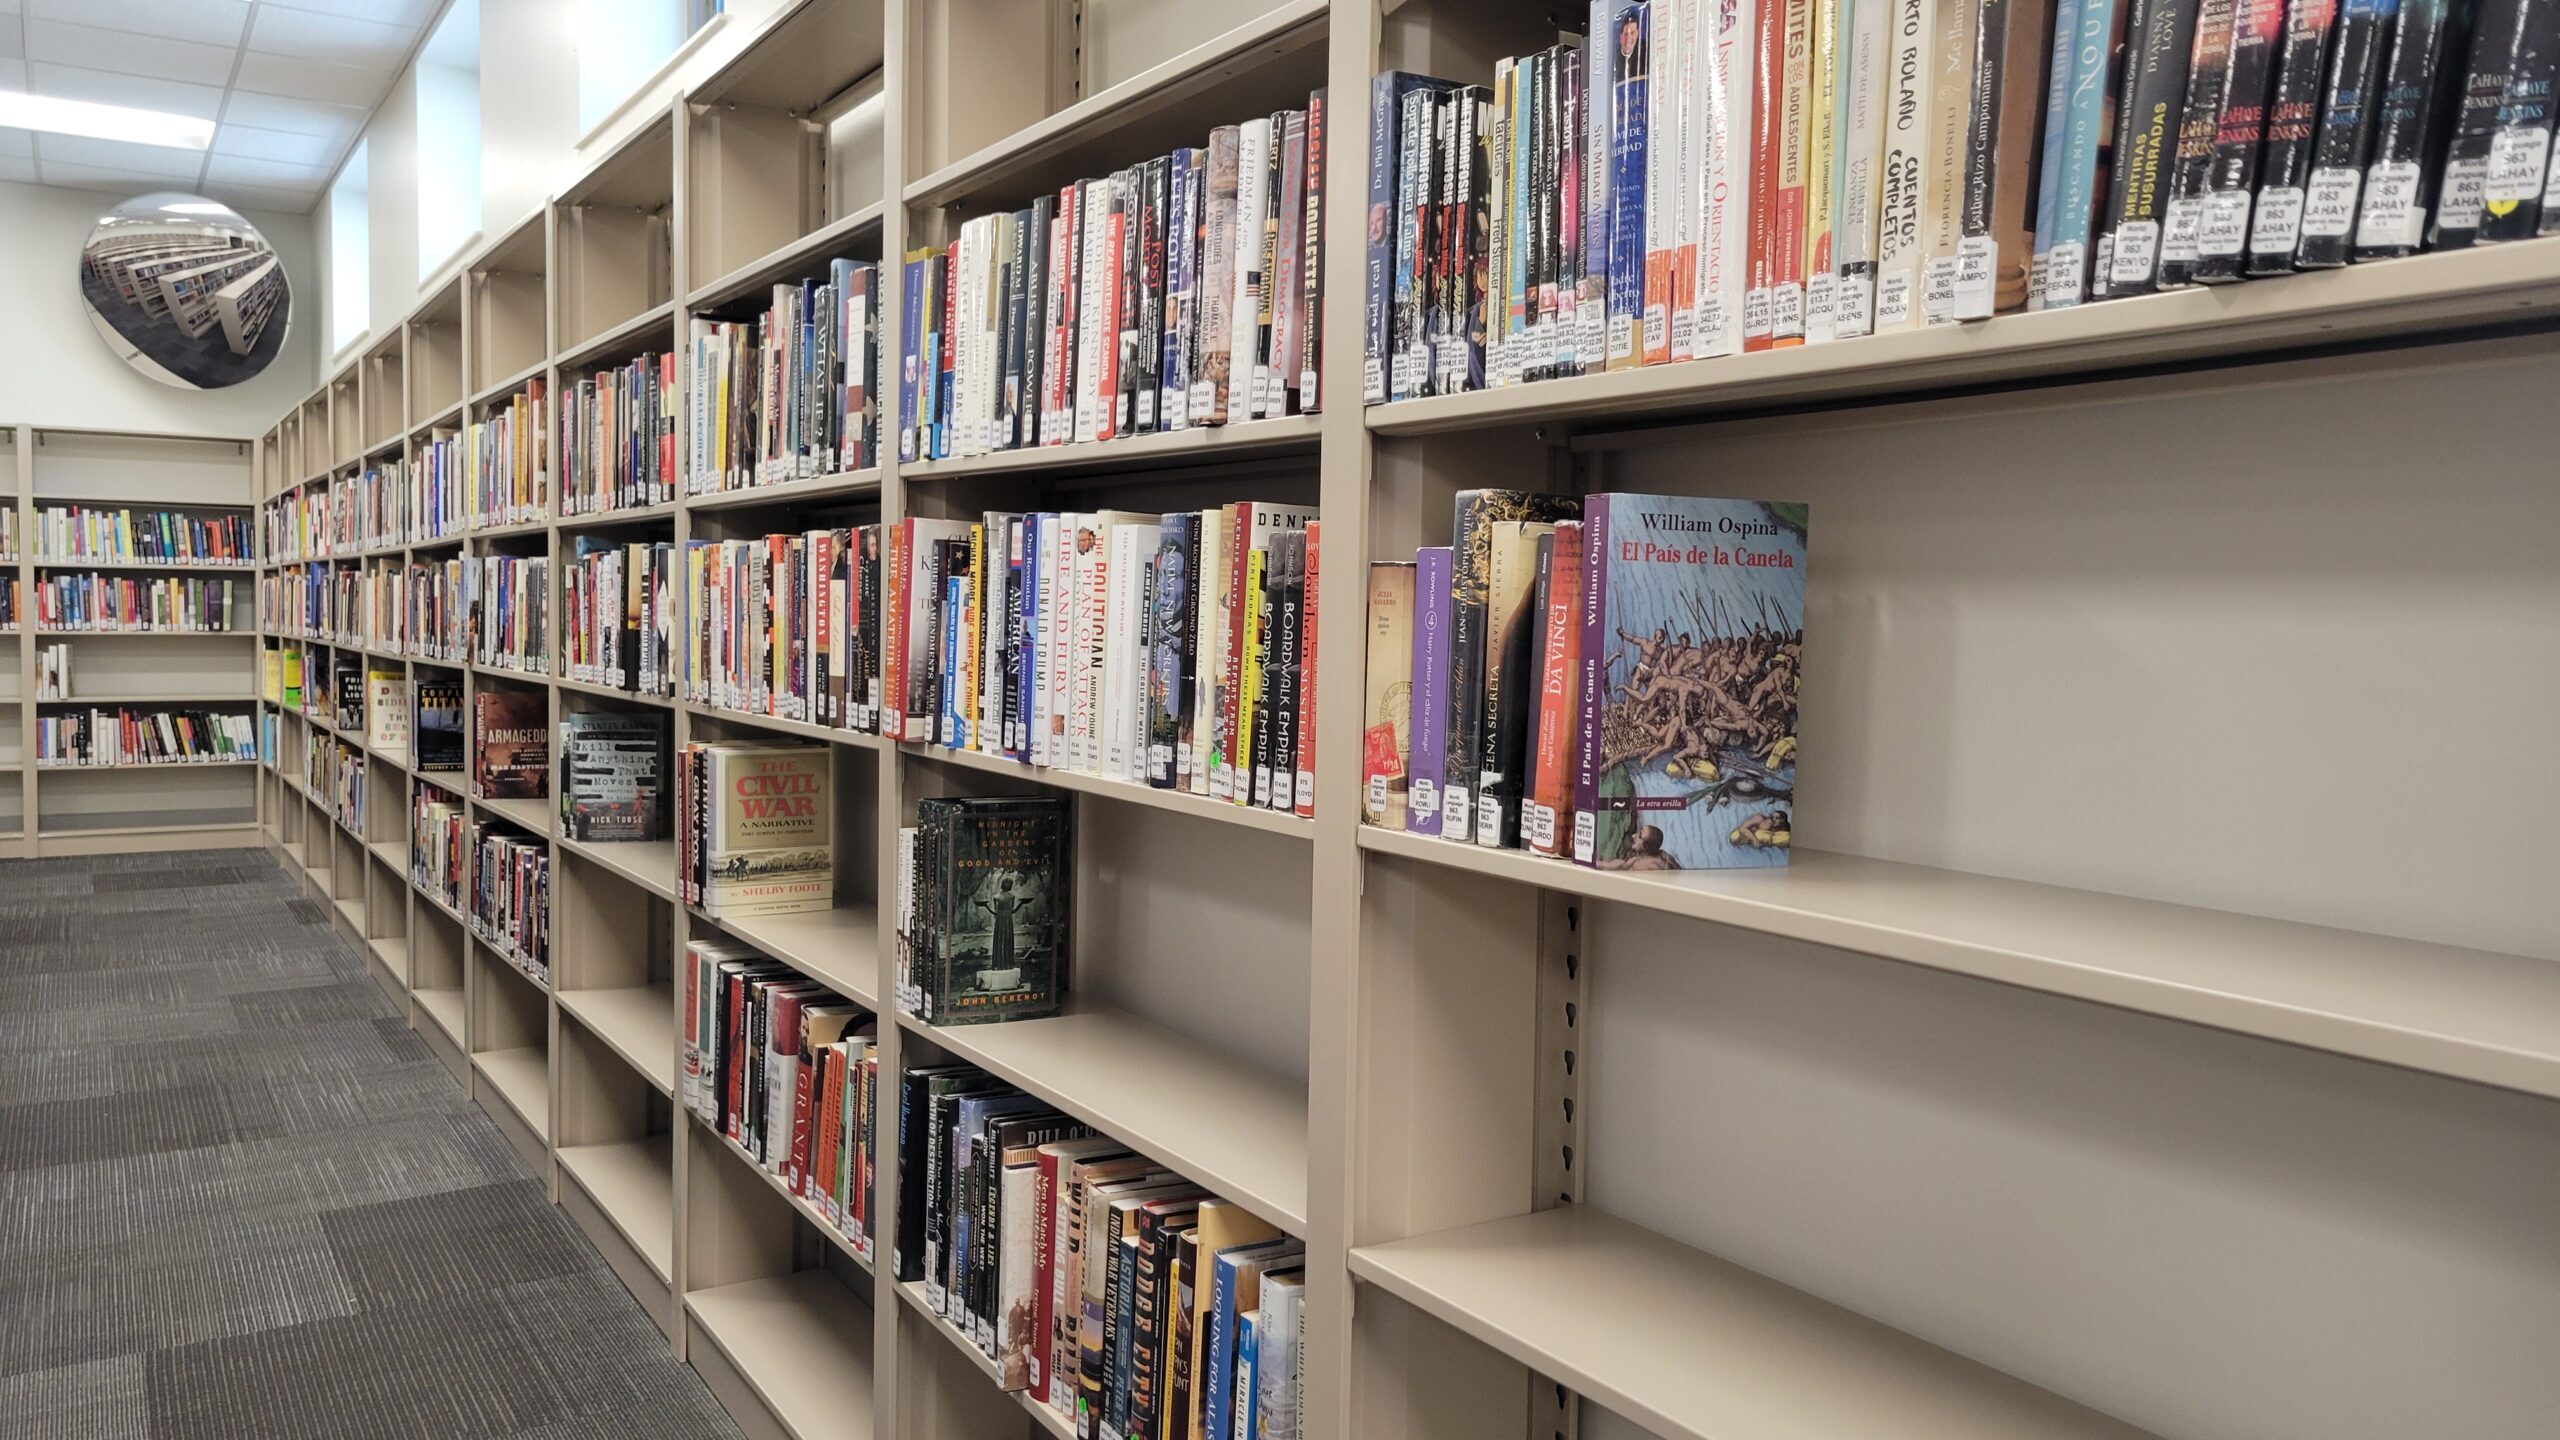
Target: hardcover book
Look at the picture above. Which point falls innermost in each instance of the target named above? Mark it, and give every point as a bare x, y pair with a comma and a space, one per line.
994, 901
1387, 711
1427, 750
612, 768
439, 727
511, 756
1477, 512
1692, 642
766, 837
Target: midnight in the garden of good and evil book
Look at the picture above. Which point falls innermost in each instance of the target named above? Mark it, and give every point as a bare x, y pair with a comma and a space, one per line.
1004, 910
1692, 643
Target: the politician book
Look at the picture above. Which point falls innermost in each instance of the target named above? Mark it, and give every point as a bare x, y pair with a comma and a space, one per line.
1692, 645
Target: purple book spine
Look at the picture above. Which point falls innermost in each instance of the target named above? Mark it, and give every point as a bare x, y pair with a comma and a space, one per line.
1426, 750
1592, 692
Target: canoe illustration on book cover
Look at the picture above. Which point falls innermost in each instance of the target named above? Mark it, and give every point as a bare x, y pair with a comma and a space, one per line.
1693, 642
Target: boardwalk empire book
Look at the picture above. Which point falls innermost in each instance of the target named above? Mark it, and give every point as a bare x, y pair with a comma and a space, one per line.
1692, 643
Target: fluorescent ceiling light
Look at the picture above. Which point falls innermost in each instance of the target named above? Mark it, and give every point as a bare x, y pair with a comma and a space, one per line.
201, 207
103, 122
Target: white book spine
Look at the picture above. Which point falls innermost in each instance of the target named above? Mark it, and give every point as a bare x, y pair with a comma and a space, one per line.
1687, 172
1088, 318
1208, 646
1244, 370
1854, 227
1093, 579
1115, 655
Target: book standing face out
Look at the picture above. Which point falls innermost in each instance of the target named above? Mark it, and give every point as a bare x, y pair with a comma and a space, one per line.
512, 756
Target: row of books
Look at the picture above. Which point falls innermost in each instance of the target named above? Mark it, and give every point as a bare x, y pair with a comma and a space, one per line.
369, 606
295, 526
1179, 292
13, 603
792, 392
788, 1071
73, 533
755, 828
179, 604
131, 735
295, 601
1613, 679
1688, 179
506, 461
982, 923
438, 620
1100, 1283
617, 613
8, 534
439, 843
613, 768
346, 780
511, 897
438, 506
618, 437
1174, 650
510, 601
53, 672
786, 625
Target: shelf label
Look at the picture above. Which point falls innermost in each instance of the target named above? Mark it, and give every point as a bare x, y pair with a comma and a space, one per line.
2278, 223
2329, 206
2393, 217
2137, 253
2224, 226
2465, 194
2516, 157
1893, 299
1977, 257
2066, 275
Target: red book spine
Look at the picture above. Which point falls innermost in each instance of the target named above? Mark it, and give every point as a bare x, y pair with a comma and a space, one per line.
733, 1057
1230, 732
1768, 78
1549, 824
804, 1095
1106, 424
1306, 798
893, 632
1044, 1271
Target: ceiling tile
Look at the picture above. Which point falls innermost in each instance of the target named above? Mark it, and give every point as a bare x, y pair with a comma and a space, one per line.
413, 13
260, 197
12, 44
14, 141
19, 168
71, 82
93, 177
128, 53
209, 22
334, 38
299, 117
253, 143
13, 73
302, 79
124, 155
240, 170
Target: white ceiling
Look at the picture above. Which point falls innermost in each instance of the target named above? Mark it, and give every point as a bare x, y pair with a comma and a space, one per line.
290, 83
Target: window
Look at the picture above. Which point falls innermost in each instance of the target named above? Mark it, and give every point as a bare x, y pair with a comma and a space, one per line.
351, 251
449, 138
622, 43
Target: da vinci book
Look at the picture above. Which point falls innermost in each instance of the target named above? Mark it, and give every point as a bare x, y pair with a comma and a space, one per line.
1692, 643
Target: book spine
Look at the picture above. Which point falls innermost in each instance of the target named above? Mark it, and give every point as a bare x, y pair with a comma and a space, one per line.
1386, 168
2513, 196
1790, 224
1591, 658
2191, 164
1181, 253
2057, 131
1628, 139
2350, 103
1591, 293
1857, 219
1829, 45
2231, 172
2157, 56
1547, 820
1950, 95
1303, 791
2066, 269
2461, 188
1724, 182
1663, 156
1426, 750
2392, 221
1906, 128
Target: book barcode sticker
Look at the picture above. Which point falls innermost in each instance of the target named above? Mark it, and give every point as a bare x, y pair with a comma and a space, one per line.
2464, 195
1657, 323
1457, 814
1424, 802
1755, 312
2137, 252
1584, 828
2392, 215
1489, 824
1306, 794
1893, 300
1786, 311
2222, 227
1591, 336
2329, 205
2517, 154
1938, 290
2038, 268
2278, 223
1976, 257
1854, 306
2066, 275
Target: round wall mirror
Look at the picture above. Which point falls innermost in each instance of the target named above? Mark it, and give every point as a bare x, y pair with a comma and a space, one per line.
185, 290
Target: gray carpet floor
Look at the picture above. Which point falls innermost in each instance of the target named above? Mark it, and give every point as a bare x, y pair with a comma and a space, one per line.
240, 1199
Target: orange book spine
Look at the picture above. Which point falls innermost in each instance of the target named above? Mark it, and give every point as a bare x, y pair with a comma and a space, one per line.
1548, 826
1787, 225
1768, 81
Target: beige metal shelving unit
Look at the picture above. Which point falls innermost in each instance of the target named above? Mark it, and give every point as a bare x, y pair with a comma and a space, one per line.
80, 810
1371, 1039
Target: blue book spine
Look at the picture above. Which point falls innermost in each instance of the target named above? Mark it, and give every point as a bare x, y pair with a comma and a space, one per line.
1390, 233
948, 722
910, 354
1627, 121
1592, 327
1216, 1416
1248, 1387
2057, 122
2066, 269
1525, 173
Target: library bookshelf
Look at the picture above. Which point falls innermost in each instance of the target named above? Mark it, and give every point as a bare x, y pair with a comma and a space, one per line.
1387, 1045
65, 809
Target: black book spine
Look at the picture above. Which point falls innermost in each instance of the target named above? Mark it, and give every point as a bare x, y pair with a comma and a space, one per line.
1154, 224
1466, 666
1978, 249
2191, 163
1289, 608
2231, 171
2156, 86
2512, 199
907, 1252
1035, 321
2417, 110
1129, 196
1435, 246
2349, 103
1266, 601
2293, 123
2462, 189
1169, 606
1309, 379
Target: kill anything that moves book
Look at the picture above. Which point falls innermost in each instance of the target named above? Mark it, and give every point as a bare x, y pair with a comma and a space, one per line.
611, 773
1692, 644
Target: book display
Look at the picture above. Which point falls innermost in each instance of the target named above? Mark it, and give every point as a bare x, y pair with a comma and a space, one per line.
1026, 857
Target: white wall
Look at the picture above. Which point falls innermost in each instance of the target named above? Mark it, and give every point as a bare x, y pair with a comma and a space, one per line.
529, 137
56, 371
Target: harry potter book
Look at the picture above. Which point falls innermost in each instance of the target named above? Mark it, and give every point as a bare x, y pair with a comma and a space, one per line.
1692, 642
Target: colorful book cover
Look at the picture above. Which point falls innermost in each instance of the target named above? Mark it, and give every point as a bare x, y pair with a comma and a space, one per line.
2399, 180
2057, 132
1427, 736
1692, 643
2191, 162
513, 751
769, 848
1546, 821
2231, 169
